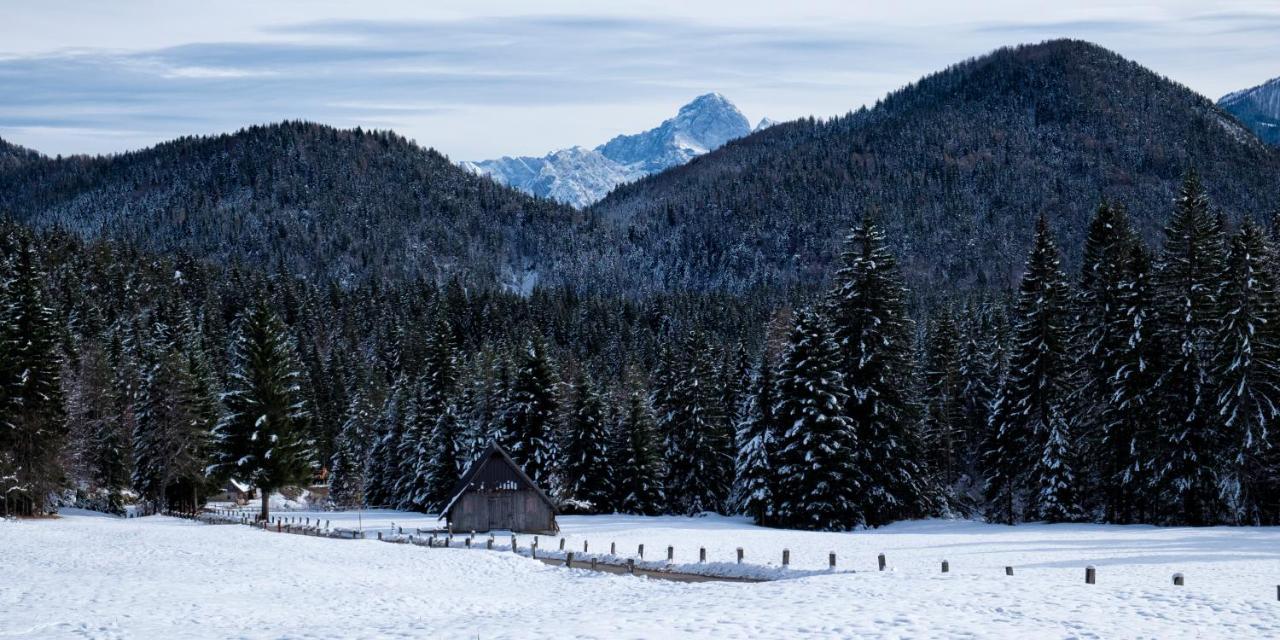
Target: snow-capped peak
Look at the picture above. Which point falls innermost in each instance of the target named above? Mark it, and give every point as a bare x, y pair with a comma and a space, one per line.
580, 176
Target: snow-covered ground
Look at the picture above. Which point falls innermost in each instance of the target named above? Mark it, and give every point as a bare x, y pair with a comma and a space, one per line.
90, 576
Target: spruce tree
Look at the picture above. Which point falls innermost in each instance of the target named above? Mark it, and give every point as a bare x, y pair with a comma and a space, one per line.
348, 481
585, 477
821, 482
1188, 286
637, 473
261, 438
946, 439
384, 458
874, 335
1037, 395
699, 472
1246, 373
1127, 432
34, 412
444, 467
758, 434
531, 413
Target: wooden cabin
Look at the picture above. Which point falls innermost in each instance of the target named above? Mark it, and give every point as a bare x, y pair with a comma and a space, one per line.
495, 493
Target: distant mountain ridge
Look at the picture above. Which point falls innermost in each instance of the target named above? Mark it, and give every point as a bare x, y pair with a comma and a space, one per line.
12, 155
1258, 108
580, 176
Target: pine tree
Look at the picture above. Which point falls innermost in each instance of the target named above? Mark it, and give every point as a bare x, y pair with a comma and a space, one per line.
758, 434
348, 466
1037, 394
531, 413
261, 438
173, 423
34, 412
1246, 372
1003, 460
417, 452
444, 467
1187, 285
868, 311
638, 471
945, 437
384, 459
585, 474
821, 482
699, 473
1127, 432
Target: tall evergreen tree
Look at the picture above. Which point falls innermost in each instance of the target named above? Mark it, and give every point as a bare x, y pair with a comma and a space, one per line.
946, 439
1037, 395
756, 484
384, 461
348, 481
585, 477
1247, 374
1188, 286
33, 416
700, 469
531, 413
444, 467
821, 482
637, 473
261, 437
868, 311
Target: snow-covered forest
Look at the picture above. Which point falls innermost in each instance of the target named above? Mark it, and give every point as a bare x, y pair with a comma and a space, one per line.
1141, 388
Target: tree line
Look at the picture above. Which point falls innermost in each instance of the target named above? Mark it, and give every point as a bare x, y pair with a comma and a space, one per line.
1140, 389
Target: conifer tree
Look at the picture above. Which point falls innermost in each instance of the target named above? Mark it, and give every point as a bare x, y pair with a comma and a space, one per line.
946, 439
868, 311
1003, 460
700, 471
638, 470
821, 482
1188, 287
531, 413
585, 480
1126, 418
444, 467
757, 479
1246, 373
34, 412
384, 455
261, 438
417, 451
1033, 419
347, 468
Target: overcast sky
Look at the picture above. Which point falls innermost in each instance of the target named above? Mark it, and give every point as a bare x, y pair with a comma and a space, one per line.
482, 79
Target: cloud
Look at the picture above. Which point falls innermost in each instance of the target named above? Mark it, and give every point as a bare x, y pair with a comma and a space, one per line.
439, 80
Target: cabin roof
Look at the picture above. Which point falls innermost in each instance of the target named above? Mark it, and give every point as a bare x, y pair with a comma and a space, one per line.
493, 451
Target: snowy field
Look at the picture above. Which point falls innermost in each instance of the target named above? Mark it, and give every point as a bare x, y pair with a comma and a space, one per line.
91, 576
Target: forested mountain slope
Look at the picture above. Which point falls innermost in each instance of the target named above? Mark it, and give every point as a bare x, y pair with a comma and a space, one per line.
305, 199
958, 166
1258, 108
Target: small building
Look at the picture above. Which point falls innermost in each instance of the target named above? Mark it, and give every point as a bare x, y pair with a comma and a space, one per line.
495, 493
237, 492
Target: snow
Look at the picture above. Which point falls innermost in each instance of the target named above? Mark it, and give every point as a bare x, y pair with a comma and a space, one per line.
157, 577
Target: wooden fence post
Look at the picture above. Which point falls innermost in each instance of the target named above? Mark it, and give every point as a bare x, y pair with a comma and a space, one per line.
613, 548
641, 552
593, 563
568, 559
631, 568
671, 553
831, 560
739, 555
379, 536
880, 561
786, 557
489, 543
562, 544
515, 547
702, 555
1008, 571
1177, 580
584, 546
1090, 575
946, 566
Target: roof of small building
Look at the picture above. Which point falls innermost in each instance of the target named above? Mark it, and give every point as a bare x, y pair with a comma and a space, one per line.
468, 478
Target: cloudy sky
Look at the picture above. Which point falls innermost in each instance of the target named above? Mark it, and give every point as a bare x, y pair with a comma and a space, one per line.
480, 79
